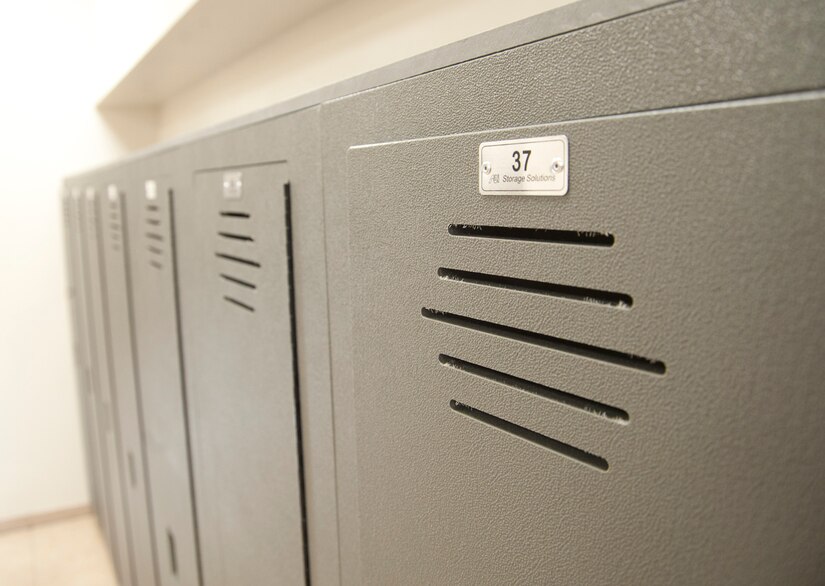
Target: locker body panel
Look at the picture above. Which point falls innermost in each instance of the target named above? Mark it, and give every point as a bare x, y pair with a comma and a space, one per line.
162, 384
710, 442
114, 243
295, 140
240, 378
668, 56
113, 473
74, 250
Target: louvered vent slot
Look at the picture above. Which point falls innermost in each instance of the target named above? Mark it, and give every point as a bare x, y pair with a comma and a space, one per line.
607, 355
115, 225
237, 261
538, 287
155, 242
93, 219
511, 382
233, 236
534, 388
544, 441
238, 281
532, 234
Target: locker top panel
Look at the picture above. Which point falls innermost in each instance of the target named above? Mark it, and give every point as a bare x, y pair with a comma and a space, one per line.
576, 15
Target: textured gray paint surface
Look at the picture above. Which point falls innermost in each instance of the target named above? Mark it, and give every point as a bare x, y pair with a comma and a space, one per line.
105, 393
77, 296
156, 336
240, 380
103, 500
716, 476
680, 54
296, 139
674, 55
114, 238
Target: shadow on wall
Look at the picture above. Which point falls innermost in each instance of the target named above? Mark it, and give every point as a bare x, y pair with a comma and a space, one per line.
134, 127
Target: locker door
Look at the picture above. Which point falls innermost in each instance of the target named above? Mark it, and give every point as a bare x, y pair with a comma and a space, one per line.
617, 385
240, 377
74, 241
155, 300
114, 240
90, 366
109, 441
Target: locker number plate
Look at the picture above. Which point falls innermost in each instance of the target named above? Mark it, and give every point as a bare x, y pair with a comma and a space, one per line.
530, 166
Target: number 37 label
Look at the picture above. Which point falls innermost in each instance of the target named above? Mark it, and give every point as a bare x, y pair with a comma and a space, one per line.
530, 166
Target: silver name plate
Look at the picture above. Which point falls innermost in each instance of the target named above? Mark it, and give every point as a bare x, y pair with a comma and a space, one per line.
530, 166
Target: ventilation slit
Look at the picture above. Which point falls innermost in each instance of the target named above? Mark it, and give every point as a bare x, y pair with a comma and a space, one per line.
114, 228
231, 236
238, 281
529, 435
238, 259
238, 303
154, 235
543, 288
546, 341
533, 234
234, 235
563, 397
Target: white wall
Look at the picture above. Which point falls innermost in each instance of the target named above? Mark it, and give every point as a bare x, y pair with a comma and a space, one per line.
124, 30
349, 38
48, 128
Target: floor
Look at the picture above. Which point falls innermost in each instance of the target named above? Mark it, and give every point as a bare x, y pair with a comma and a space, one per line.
69, 552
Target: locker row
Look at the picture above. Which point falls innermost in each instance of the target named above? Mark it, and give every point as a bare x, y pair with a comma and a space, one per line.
310, 350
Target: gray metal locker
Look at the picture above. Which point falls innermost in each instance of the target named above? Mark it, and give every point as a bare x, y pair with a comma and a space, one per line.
390, 377
98, 432
74, 263
155, 306
558, 363
238, 349
114, 244
109, 441
88, 368
389, 235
